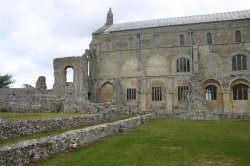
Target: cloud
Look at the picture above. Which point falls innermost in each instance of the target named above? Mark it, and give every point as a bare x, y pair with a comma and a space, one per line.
33, 33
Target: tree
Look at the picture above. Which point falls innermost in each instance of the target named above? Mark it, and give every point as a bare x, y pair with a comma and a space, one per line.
27, 86
6, 80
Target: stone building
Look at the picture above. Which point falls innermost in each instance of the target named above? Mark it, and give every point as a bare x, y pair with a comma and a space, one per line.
158, 64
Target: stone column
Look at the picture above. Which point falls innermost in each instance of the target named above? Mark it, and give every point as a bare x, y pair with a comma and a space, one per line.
195, 58
169, 95
226, 101
143, 94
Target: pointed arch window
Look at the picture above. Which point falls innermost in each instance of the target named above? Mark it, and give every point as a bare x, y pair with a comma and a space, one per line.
211, 91
240, 92
239, 62
237, 36
182, 40
182, 65
209, 38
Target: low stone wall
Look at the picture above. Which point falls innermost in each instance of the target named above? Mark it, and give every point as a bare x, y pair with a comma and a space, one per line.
9, 129
229, 115
209, 115
28, 151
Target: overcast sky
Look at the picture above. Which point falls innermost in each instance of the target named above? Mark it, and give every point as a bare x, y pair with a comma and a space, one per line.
34, 32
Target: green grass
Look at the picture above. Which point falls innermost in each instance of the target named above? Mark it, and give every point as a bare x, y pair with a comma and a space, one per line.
14, 140
166, 142
12, 116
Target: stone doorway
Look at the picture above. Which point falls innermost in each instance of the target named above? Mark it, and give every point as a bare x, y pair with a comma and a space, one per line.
106, 92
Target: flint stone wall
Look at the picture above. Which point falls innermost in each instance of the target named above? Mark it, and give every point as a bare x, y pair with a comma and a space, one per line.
28, 127
28, 151
209, 115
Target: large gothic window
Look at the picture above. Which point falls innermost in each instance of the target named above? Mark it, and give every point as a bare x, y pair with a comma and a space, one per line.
239, 62
240, 92
209, 38
237, 36
182, 40
211, 92
182, 65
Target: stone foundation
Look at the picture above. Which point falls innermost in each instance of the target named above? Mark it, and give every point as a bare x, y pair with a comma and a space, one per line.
28, 127
28, 151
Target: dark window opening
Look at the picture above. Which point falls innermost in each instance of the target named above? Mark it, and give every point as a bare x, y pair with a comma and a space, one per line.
237, 36
209, 38
239, 62
211, 92
182, 40
131, 94
156, 93
240, 92
183, 93
182, 65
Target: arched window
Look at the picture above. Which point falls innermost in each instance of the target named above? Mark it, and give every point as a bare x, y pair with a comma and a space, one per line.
211, 92
182, 65
237, 36
209, 38
157, 41
239, 62
182, 40
69, 74
132, 43
109, 45
240, 92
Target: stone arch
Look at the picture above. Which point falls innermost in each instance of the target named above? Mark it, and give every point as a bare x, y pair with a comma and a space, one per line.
214, 105
240, 105
157, 66
239, 81
106, 92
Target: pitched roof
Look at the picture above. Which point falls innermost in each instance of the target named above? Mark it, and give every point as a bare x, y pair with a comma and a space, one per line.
237, 15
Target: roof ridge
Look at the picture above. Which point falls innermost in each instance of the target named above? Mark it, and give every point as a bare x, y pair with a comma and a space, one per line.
212, 17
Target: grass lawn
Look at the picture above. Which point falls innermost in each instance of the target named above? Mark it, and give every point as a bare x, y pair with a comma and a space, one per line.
166, 141
12, 116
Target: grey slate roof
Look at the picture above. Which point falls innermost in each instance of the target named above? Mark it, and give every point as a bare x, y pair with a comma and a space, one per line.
237, 15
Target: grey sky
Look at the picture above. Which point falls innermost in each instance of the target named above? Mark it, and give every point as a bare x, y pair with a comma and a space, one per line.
34, 32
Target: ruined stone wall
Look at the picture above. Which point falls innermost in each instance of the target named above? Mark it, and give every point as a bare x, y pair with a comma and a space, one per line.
28, 127
28, 151
139, 68
29, 100
76, 89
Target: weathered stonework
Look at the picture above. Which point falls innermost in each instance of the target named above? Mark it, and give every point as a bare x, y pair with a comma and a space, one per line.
113, 64
28, 151
41, 83
28, 127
